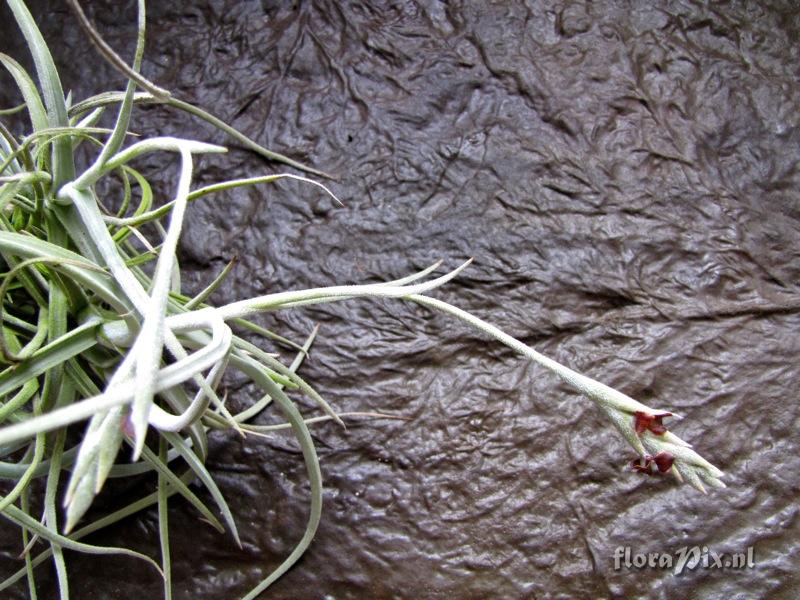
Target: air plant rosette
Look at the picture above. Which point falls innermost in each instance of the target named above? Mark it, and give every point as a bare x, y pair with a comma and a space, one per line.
95, 327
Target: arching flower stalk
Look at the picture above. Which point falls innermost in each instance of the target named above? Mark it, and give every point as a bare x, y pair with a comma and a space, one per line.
639, 424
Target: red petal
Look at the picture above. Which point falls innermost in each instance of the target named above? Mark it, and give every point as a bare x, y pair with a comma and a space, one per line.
642, 465
664, 461
646, 422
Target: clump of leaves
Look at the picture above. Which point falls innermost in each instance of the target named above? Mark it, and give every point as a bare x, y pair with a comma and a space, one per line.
89, 333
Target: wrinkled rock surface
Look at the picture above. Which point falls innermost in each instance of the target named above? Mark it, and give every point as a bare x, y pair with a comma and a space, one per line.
626, 178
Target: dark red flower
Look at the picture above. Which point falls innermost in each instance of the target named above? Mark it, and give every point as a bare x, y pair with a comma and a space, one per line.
664, 461
647, 422
643, 465
653, 465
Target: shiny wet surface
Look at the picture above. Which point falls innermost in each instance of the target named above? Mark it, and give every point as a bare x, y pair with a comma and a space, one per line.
626, 178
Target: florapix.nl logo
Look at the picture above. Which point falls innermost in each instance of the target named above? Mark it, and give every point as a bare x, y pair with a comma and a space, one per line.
686, 558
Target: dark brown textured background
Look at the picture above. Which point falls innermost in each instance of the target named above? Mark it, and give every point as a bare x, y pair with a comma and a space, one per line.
626, 178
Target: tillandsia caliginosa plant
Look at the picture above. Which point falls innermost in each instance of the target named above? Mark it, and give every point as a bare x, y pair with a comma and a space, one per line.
95, 327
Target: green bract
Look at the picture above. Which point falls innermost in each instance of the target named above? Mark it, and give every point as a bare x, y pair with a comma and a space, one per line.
77, 309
